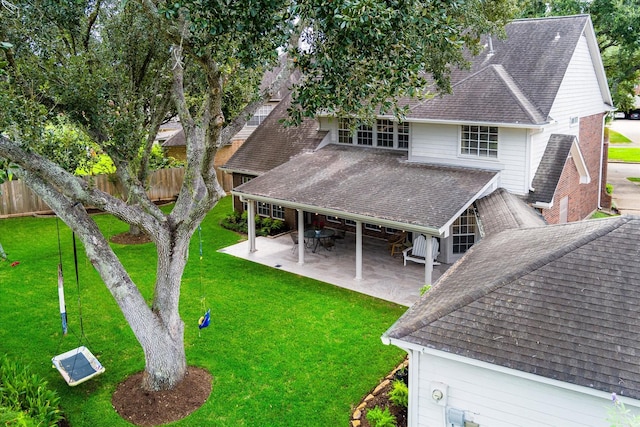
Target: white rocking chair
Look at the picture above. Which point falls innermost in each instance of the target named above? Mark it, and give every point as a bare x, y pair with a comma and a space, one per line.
418, 251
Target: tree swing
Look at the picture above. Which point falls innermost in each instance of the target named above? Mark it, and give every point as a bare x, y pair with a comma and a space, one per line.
205, 319
78, 365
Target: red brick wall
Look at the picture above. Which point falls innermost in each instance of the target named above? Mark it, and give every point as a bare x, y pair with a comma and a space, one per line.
583, 198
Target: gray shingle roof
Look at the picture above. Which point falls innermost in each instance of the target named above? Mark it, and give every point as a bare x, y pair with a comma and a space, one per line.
502, 210
272, 144
374, 183
518, 82
560, 301
550, 169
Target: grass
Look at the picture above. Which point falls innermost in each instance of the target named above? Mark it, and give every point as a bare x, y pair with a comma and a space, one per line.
617, 137
284, 350
633, 179
630, 154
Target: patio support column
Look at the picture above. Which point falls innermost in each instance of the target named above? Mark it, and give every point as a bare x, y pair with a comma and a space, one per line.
358, 250
300, 236
428, 261
251, 224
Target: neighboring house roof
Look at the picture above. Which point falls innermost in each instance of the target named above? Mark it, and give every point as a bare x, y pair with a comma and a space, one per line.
369, 182
559, 301
502, 210
516, 79
176, 140
272, 143
555, 156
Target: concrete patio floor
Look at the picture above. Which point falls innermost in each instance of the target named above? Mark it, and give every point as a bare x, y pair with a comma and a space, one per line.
383, 276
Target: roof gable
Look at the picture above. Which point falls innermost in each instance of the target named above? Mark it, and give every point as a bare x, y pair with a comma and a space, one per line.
553, 161
516, 79
502, 210
558, 301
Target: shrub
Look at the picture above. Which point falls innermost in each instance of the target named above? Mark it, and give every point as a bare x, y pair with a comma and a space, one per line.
22, 392
379, 418
609, 189
265, 226
399, 394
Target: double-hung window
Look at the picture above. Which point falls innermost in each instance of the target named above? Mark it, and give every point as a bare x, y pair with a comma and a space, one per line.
479, 141
259, 116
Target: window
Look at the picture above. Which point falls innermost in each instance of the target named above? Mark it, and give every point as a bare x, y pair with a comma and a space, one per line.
372, 227
260, 115
345, 136
390, 230
277, 212
385, 133
464, 232
480, 141
335, 219
350, 222
573, 121
365, 135
264, 209
244, 179
403, 135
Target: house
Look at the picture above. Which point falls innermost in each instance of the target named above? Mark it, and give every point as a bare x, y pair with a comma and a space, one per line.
527, 117
171, 136
533, 326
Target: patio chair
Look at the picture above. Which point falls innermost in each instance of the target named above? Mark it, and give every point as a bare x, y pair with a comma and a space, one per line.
417, 252
396, 243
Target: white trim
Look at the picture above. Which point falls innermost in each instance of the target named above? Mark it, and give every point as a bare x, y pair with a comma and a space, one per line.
581, 165
408, 346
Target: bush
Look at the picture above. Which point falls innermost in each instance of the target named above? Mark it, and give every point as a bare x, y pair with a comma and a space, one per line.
25, 399
399, 394
379, 418
265, 226
609, 189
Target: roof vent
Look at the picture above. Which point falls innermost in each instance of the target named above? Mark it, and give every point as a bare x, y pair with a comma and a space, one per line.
557, 36
491, 52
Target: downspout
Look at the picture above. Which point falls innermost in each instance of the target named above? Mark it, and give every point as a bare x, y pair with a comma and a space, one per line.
300, 213
604, 118
251, 225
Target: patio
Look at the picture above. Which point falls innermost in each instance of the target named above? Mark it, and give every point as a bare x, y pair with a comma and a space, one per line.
384, 277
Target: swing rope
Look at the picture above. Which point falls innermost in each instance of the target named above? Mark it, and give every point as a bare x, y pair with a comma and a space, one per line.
77, 365
205, 319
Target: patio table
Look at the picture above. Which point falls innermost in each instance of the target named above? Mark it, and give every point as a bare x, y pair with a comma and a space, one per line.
317, 237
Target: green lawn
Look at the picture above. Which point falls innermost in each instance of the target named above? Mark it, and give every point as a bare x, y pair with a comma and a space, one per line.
631, 154
284, 350
617, 137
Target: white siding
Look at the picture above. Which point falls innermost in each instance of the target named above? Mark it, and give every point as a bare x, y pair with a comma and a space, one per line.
578, 96
496, 399
440, 143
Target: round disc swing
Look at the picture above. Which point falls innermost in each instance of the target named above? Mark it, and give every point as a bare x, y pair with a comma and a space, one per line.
205, 319
78, 365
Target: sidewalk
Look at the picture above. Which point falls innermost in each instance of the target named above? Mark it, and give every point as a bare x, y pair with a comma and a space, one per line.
626, 194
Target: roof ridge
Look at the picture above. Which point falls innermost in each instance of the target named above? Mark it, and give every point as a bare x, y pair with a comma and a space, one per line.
522, 99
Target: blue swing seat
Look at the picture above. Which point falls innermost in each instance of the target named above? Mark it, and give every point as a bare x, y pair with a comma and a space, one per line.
204, 321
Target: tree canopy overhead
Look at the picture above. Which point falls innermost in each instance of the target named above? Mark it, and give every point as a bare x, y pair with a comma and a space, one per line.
118, 69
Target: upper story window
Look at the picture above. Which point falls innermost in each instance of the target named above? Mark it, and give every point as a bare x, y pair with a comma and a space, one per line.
574, 121
480, 141
386, 133
260, 115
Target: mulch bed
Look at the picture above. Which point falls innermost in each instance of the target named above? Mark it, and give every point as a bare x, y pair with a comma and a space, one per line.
145, 408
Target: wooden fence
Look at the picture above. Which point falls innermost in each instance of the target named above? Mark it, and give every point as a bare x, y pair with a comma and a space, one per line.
16, 199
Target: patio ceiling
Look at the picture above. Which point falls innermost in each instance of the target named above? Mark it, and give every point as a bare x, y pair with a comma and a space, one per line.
372, 185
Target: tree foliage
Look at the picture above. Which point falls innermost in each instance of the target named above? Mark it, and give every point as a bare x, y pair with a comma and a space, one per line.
116, 70
617, 26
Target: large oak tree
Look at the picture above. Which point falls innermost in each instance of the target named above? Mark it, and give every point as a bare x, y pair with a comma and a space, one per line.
118, 69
